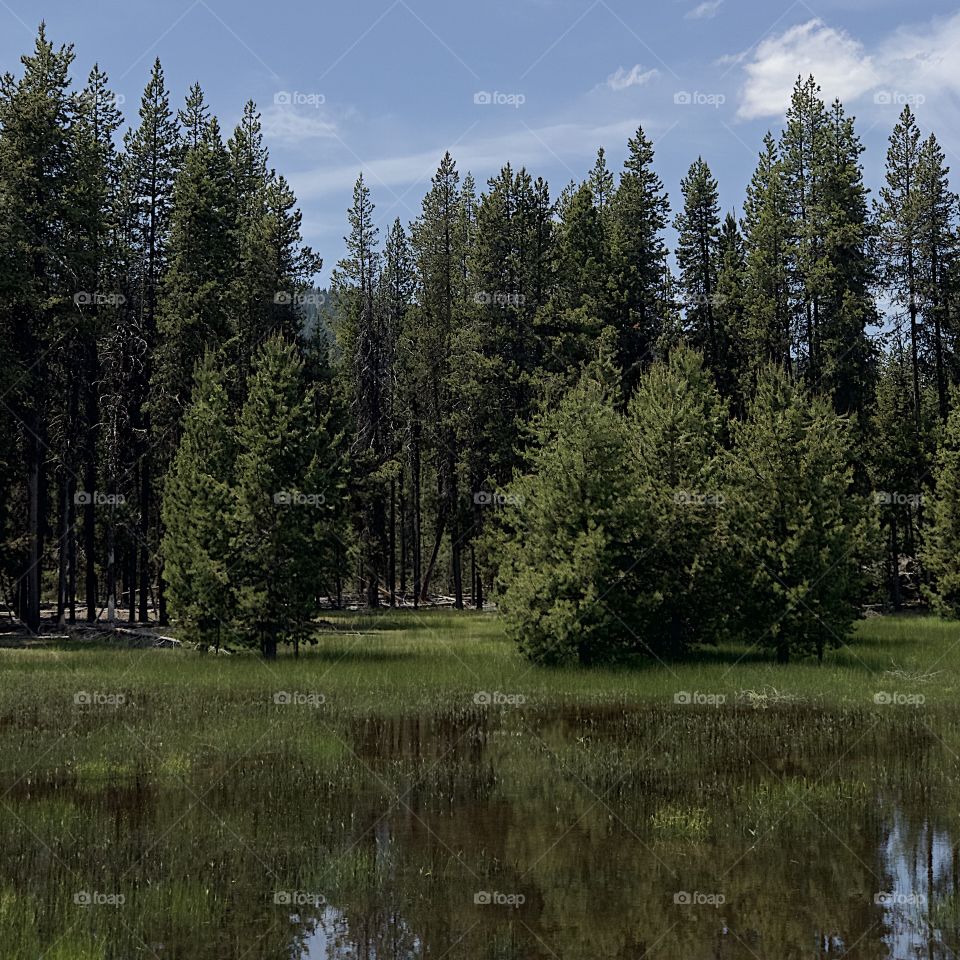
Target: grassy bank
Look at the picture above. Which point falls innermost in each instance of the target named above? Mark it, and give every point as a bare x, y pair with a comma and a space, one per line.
395, 663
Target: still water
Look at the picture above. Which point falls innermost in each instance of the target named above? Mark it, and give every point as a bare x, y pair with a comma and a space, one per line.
503, 835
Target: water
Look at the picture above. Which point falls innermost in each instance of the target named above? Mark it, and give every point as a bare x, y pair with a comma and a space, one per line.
503, 835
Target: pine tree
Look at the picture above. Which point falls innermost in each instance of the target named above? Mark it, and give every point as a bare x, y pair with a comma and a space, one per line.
287, 492
639, 212
802, 169
801, 533
845, 276
730, 312
195, 309
767, 334
151, 162
937, 256
568, 536
941, 534
676, 421
899, 213
601, 182
198, 510
194, 120
698, 229
439, 237
897, 457
96, 212
36, 170
369, 351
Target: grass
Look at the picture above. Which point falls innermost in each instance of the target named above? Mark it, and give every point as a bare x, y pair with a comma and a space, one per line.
399, 662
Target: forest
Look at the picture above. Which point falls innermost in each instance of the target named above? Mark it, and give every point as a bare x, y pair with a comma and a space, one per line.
524, 398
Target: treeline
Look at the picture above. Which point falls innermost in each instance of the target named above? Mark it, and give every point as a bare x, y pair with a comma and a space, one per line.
183, 425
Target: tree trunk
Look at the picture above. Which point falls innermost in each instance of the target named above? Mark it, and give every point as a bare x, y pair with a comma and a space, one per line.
425, 589
146, 491
91, 426
392, 548
31, 615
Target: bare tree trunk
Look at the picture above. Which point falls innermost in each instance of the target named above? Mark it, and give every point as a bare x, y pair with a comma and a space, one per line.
392, 555
425, 589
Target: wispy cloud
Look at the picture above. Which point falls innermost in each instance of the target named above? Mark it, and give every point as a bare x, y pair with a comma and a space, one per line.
705, 11
636, 76
289, 125
573, 142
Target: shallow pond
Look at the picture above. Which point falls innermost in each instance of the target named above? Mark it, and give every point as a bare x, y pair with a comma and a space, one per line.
496, 833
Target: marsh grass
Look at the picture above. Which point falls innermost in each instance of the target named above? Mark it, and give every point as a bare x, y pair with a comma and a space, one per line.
418, 759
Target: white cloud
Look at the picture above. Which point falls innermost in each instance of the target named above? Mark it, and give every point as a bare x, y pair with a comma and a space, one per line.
913, 64
837, 61
706, 11
287, 124
636, 76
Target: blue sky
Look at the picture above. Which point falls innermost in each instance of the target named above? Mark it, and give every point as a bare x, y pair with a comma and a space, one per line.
387, 85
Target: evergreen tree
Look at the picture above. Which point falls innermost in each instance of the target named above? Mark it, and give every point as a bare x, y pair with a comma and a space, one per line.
677, 419
698, 229
942, 532
150, 168
899, 213
568, 538
801, 532
639, 212
37, 167
198, 510
767, 334
195, 309
287, 490
937, 264
369, 351
730, 310
439, 237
